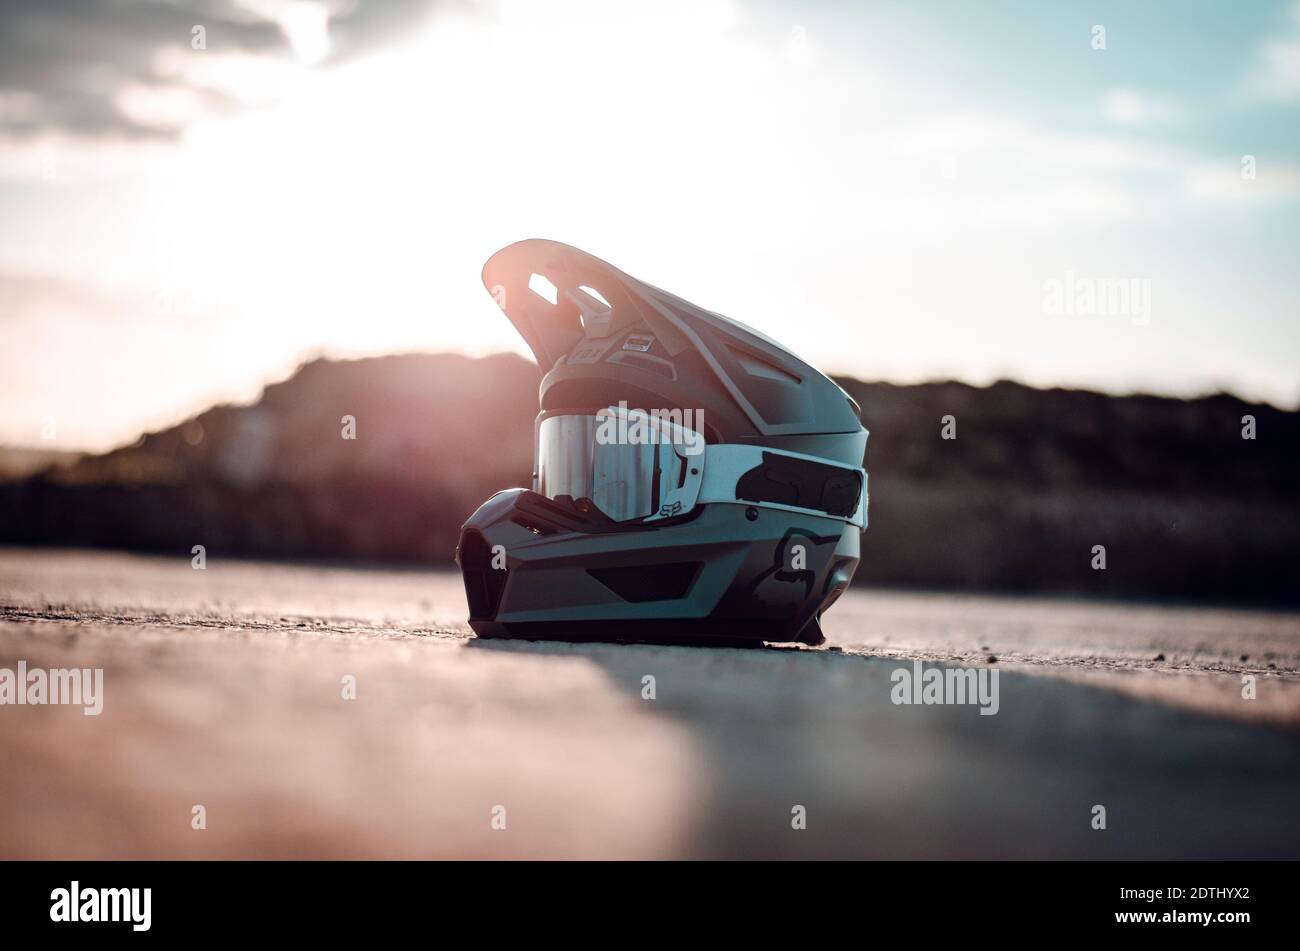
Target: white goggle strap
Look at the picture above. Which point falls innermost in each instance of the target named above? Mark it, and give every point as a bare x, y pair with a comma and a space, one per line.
725, 464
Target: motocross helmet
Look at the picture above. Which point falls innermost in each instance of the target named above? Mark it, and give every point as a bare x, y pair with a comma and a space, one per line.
694, 482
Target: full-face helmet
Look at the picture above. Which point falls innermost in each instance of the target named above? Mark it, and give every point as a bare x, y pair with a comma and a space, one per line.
694, 482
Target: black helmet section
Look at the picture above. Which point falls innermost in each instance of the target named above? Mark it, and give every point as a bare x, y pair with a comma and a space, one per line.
732, 576
609, 338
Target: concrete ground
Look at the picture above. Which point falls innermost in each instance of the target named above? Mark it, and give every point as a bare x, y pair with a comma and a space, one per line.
224, 688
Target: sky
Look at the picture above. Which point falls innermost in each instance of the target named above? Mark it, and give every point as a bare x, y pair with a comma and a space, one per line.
198, 196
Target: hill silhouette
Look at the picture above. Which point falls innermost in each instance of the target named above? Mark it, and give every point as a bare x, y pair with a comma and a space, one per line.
1185, 507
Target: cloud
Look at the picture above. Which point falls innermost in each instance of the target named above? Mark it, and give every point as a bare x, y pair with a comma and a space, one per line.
1130, 107
360, 27
1007, 173
125, 69
1276, 73
1270, 182
64, 64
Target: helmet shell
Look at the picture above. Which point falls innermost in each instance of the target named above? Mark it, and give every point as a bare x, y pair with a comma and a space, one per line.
723, 573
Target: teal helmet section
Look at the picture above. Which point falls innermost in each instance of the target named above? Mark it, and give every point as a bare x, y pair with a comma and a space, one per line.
735, 518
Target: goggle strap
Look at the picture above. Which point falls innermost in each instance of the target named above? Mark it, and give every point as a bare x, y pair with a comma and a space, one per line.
785, 481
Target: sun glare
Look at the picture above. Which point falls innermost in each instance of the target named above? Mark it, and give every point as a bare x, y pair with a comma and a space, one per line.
754, 164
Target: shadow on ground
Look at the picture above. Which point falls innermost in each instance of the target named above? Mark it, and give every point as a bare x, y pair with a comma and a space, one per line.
779, 728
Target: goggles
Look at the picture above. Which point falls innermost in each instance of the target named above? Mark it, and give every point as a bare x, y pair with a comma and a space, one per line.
633, 466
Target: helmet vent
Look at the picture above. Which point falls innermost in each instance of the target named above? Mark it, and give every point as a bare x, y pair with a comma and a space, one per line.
541, 285
533, 525
639, 583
